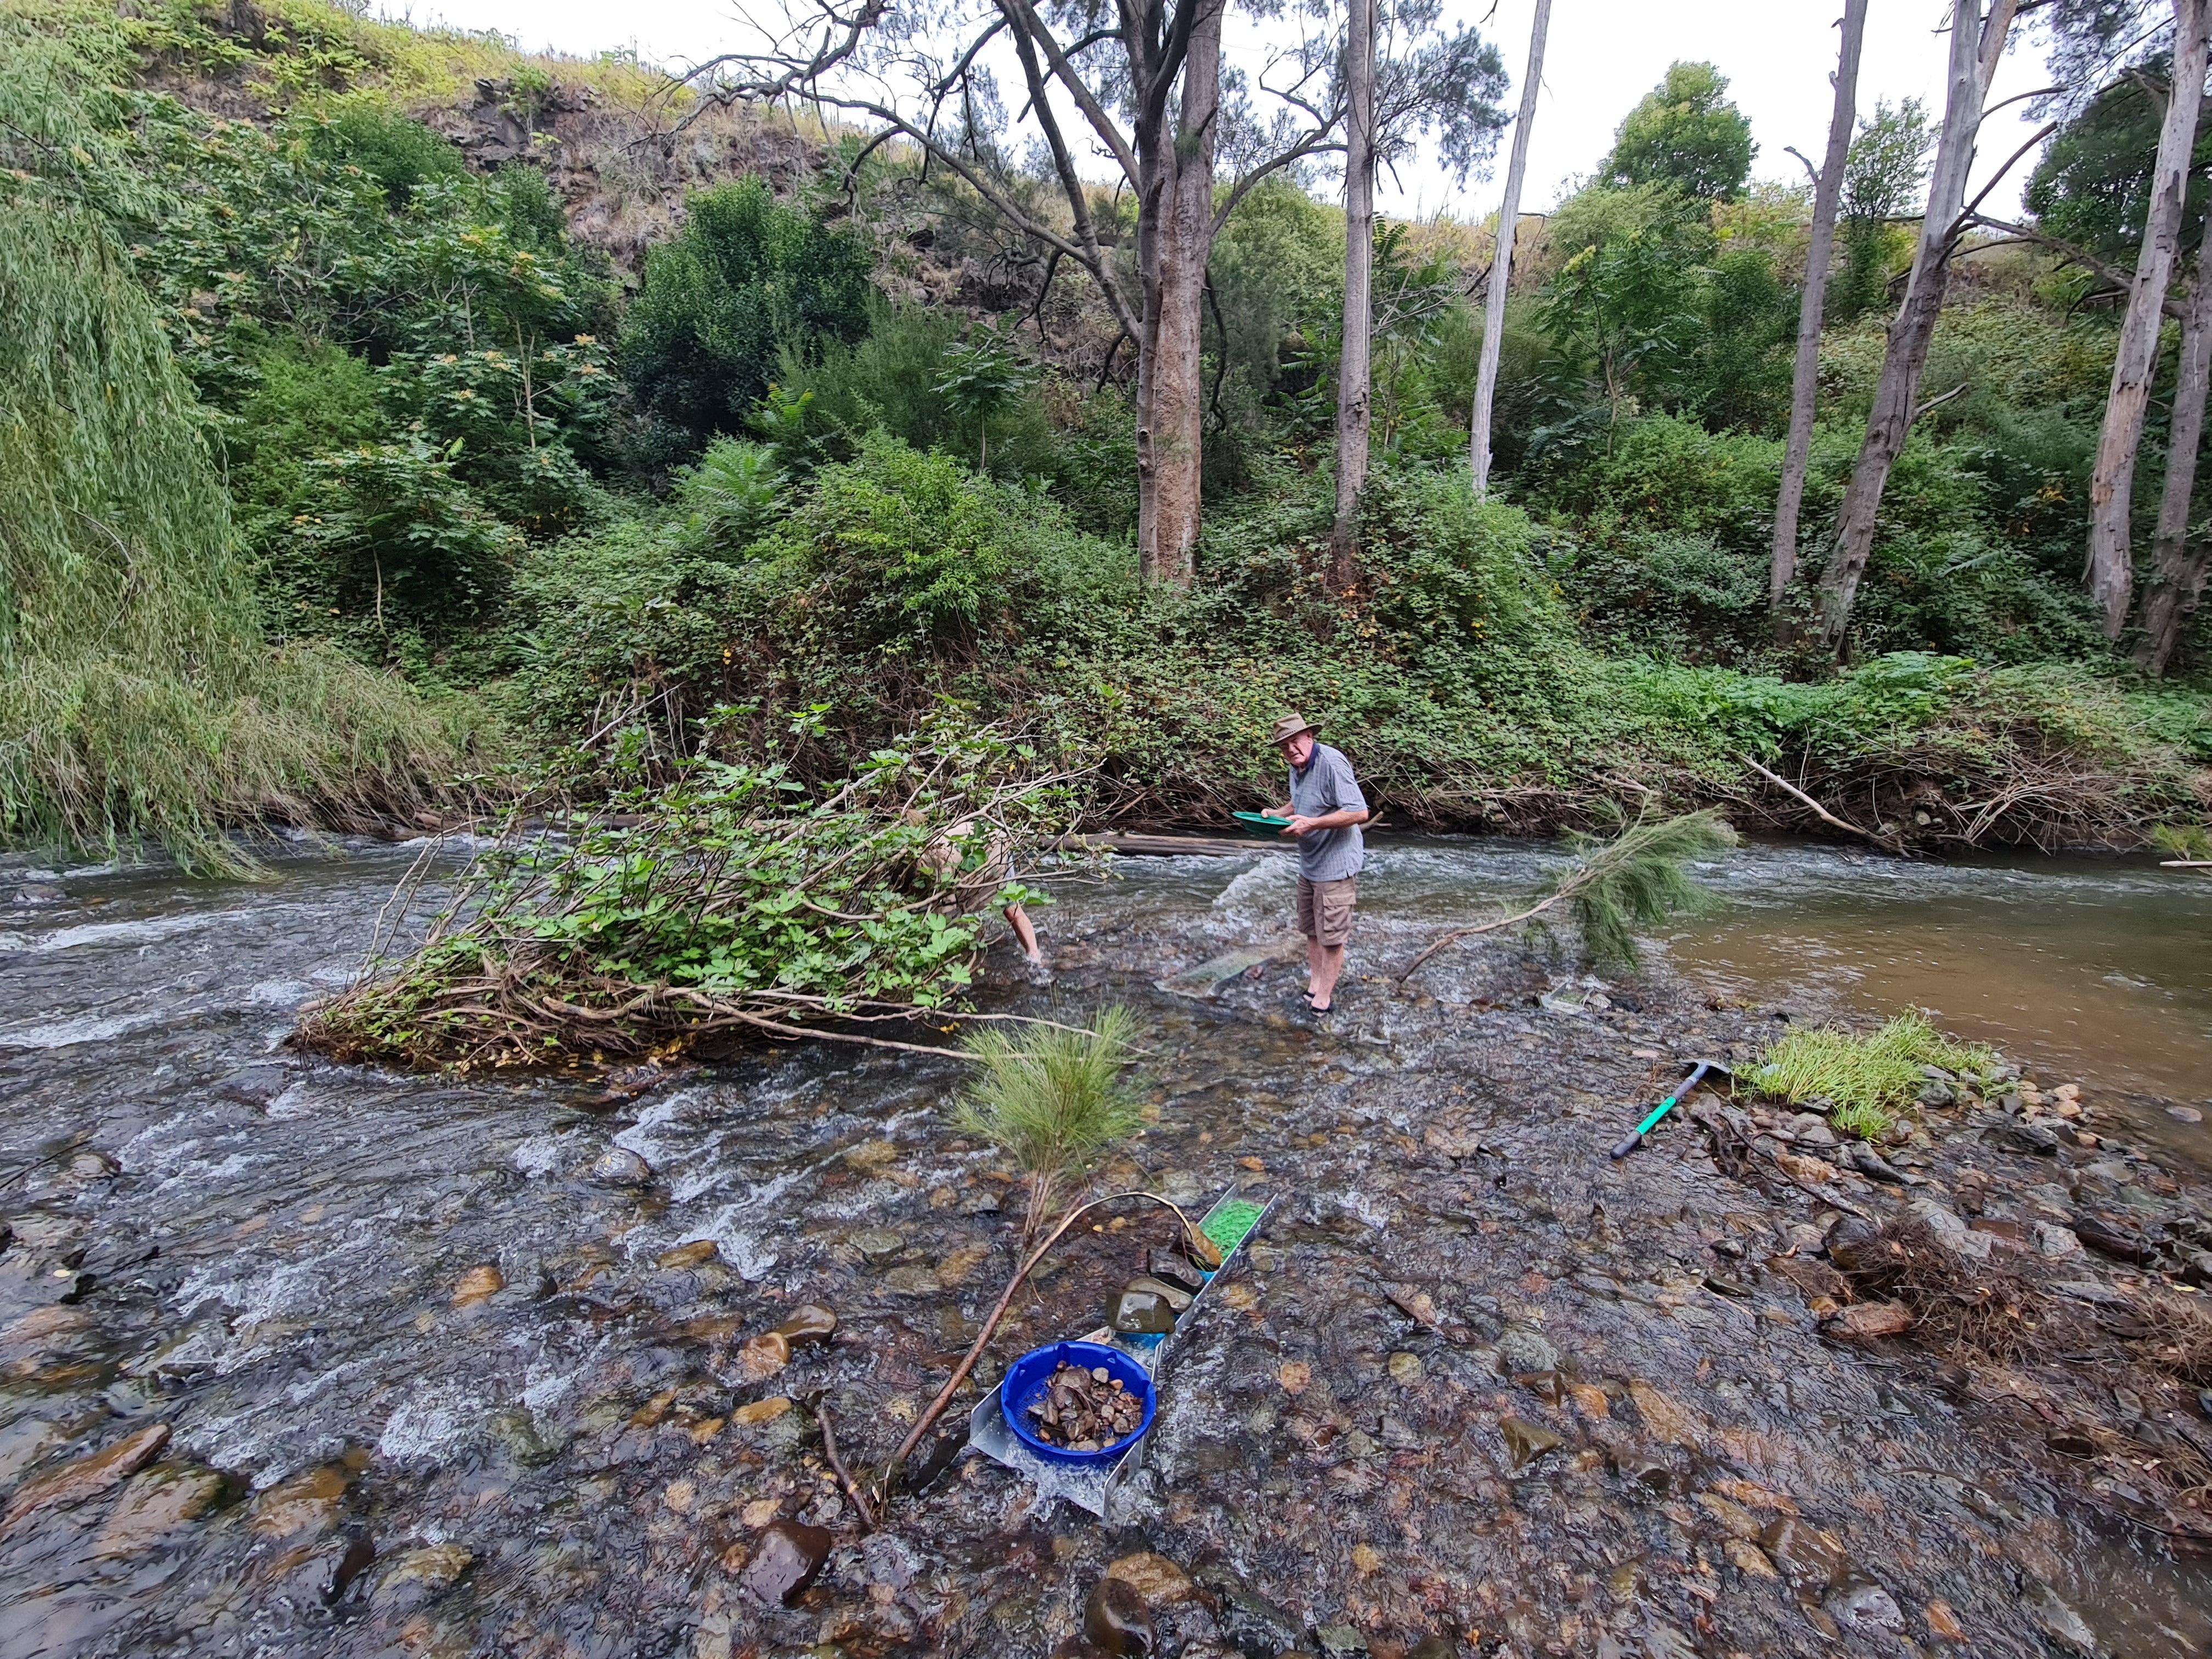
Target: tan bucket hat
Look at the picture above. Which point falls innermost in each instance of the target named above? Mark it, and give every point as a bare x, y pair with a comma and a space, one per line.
1289, 726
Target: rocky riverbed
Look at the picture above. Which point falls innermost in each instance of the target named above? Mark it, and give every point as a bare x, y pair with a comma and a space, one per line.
296, 1359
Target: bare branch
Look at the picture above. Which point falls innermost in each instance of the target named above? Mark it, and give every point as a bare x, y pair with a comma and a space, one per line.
1819, 810
1314, 143
1030, 26
1937, 402
795, 72
2018, 98
2013, 160
2074, 252
1092, 256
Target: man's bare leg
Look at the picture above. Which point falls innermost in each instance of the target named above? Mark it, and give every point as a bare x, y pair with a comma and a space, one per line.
1327, 963
1018, 919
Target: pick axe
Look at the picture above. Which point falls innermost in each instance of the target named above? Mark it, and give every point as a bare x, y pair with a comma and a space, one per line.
1635, 1137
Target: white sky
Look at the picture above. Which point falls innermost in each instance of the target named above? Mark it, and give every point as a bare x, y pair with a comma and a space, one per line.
1603, 56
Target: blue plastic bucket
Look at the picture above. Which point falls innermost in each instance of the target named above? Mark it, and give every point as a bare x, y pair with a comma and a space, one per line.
1027, 1377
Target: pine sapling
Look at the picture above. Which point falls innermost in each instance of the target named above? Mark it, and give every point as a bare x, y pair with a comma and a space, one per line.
1053, 1097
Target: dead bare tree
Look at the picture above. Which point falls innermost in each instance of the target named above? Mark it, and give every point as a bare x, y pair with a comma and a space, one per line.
1145, 85
1978, 28
1501, 260
1353, 374
2111, 485
1827, 192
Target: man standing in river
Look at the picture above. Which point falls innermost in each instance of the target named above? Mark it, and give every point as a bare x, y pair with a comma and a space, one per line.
1325, 810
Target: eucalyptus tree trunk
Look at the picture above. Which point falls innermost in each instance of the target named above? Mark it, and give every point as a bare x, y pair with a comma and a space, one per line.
1175, 239
2111, 486
2177, 580
1501, 261
1353, 373
1797, 456
1978, 38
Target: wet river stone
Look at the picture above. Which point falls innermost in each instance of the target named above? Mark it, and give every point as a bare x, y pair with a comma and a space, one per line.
877, 1242
306, 1502
809, 1324
478, 1285
784, 1561
1524, 1350
87, 1478
1866, 1609
618, 1166
1526, 1442
764, 1355
1116, 1621
1249, 1622
157, 1501
422, 1575
1175, 1268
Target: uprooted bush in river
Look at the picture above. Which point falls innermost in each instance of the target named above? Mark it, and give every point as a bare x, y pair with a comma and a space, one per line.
734, 900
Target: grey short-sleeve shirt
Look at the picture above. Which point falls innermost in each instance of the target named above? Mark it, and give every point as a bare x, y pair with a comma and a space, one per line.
1326, 786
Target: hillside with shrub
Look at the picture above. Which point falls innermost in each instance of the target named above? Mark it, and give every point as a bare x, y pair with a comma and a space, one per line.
539, 422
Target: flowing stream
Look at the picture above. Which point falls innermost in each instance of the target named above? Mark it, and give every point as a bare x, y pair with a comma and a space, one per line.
269, 1259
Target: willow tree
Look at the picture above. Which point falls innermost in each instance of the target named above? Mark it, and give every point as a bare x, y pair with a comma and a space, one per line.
1147, 89
137, 698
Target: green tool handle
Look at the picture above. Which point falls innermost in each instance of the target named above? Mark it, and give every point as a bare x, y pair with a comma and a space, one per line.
1635, 1135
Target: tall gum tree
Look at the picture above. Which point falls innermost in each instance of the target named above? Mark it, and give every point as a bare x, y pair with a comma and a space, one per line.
1353, 372
1978, 30
1827, 192
1501, 260
2177, 568
2111, 485
1144, 92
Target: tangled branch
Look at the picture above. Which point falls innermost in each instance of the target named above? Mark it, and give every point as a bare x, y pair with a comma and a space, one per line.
733, 899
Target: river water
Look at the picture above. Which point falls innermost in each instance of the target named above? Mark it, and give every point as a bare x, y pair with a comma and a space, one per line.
374, 1444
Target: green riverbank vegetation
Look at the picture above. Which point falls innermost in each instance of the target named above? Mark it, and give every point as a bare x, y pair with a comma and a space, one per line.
141, 697
388, 408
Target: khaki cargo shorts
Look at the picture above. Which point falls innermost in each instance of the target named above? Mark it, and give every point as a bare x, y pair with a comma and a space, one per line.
1325, 909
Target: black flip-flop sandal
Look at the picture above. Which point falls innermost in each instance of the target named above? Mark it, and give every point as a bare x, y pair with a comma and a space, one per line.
1328, 1007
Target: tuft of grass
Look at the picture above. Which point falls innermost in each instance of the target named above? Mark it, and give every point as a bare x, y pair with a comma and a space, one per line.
2176, 1335
1053, 1098
2183, 840
1869, 1080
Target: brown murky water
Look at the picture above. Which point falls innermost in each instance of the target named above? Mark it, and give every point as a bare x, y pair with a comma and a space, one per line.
438, 1366
2092, 971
